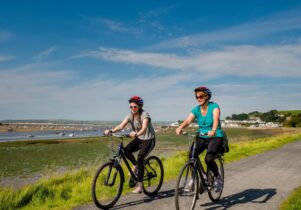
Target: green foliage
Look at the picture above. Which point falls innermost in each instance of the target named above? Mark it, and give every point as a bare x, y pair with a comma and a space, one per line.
293, 121
242, 116
293, 202
271, 116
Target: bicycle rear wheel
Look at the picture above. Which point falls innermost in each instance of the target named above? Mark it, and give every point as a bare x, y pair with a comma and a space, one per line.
153, 175
107, 185
214, 192
187, 186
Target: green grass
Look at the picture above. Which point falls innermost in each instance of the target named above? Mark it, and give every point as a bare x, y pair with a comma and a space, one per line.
72, 188
293, 112
293, 202
36, 157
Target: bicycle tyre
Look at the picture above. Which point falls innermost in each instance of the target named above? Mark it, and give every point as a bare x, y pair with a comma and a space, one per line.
98, 188
187, 173
213, 195
153, 176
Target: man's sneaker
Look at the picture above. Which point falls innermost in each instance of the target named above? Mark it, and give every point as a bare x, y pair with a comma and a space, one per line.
189, 186
218, 184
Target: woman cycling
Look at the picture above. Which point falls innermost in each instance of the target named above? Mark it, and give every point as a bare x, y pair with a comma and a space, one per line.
207, 114
143, 136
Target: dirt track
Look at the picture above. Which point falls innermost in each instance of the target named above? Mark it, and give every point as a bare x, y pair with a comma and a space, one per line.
258, 182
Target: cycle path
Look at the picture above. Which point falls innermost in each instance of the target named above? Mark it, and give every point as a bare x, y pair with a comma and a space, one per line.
258, 182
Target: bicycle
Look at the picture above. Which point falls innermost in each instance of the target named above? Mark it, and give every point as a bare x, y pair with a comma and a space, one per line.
193, 181
109, 177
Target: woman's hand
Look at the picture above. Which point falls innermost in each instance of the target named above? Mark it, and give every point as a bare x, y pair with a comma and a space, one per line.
133, 134
107, 132
211, 133
179, 131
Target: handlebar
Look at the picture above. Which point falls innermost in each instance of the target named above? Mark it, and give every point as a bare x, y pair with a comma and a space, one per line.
199, 134
118, 135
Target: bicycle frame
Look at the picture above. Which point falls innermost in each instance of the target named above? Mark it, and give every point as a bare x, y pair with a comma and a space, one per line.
121, 155
198, 165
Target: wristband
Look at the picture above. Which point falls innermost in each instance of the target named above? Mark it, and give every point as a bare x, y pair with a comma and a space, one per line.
136, 134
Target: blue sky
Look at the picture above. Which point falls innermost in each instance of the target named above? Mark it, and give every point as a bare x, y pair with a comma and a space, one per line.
82, 60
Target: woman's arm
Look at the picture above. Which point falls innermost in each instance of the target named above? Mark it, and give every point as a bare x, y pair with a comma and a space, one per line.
216, 115
184, 124
120, 126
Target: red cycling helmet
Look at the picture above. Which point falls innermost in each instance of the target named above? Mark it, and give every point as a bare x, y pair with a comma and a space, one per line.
205, 90
137, 100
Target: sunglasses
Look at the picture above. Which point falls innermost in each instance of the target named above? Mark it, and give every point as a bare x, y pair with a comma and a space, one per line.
200, 97
133, 107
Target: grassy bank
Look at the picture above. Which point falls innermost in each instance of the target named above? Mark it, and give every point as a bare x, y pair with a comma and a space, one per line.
64, 191
37, 157
293, 202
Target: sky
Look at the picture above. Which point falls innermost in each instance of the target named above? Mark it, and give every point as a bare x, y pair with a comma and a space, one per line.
83, 60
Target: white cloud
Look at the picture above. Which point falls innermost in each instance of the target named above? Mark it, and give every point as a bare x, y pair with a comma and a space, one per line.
269, 61
45, 53
40, 91
114, 25
5, 58
45, 90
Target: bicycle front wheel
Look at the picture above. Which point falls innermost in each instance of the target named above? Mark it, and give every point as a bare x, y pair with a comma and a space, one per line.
107, 185
153, 175
214, 190
187, 185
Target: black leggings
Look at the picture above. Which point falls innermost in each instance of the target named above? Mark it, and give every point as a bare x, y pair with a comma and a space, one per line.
145, 147
213, 146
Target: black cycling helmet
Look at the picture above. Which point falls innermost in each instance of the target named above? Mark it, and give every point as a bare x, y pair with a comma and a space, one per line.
204, 90
137, 100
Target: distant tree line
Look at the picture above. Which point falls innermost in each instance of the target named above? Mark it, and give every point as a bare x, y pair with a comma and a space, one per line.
288, 119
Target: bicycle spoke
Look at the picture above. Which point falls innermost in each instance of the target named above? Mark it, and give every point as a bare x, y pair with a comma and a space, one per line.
153, 175
186, 188
107, 185
215, 190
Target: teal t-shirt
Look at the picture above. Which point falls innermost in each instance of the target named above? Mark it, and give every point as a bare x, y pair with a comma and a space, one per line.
205, 123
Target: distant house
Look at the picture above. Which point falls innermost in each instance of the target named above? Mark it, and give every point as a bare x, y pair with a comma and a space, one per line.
174, 124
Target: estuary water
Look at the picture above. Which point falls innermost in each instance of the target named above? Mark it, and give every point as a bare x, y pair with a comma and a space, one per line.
40, 135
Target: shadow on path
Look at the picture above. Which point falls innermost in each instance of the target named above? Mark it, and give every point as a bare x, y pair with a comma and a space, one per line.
246, 196
160, 195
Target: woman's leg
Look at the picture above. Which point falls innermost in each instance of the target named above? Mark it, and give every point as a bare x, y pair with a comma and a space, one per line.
146, 148
199, 148
133, 146
213, 149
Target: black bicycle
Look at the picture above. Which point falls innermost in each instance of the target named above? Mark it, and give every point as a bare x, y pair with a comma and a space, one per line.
108, 181
193, 180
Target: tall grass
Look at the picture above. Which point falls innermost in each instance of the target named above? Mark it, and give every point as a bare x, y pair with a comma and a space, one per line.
64, 191
293, 202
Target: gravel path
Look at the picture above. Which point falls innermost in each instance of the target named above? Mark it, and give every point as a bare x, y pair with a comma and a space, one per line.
258, 182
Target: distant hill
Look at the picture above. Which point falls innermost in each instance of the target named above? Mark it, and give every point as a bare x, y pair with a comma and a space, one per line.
292, 112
